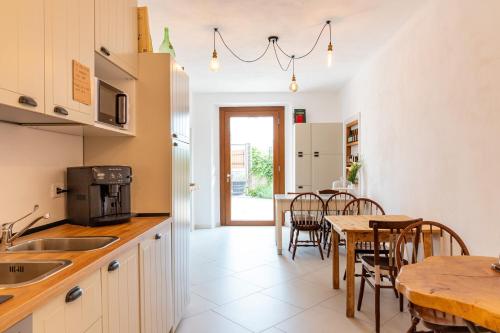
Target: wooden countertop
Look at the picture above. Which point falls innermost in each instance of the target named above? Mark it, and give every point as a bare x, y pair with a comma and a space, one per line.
464, 286
28, 298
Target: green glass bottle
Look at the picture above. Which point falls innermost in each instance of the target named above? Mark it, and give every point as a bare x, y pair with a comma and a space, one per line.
166, 46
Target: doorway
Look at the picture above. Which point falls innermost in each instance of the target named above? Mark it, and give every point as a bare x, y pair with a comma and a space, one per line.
252, 163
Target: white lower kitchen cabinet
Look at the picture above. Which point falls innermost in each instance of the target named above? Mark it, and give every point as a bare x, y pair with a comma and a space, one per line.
78, 310
120, 294
156, 283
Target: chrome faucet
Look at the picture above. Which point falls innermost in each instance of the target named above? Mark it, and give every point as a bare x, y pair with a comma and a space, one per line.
8, 238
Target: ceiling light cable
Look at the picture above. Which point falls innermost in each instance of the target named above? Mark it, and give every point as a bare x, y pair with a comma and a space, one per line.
328, 23
284, 69
235, 55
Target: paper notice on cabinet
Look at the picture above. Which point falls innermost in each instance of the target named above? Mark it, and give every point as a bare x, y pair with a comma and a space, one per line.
81, 83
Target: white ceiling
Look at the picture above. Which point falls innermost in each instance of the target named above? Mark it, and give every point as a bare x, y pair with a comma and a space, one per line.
359, 28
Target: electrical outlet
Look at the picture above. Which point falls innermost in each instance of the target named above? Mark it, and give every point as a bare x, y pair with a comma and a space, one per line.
53, 190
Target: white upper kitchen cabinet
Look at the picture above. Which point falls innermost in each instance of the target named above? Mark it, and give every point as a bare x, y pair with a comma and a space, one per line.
326, 138
116, 33
22, 54
69, 37
302, 138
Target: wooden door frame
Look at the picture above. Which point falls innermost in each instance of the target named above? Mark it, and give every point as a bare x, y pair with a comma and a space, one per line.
225, 113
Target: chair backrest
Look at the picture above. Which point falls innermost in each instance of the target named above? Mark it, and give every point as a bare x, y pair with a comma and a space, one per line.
427, 238
336, 203
328, 191
385, 236
363, 206
307, 209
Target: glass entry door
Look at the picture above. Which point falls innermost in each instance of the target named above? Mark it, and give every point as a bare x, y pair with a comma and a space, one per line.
251, 167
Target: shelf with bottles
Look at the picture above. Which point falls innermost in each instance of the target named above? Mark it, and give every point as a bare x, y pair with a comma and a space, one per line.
351, 144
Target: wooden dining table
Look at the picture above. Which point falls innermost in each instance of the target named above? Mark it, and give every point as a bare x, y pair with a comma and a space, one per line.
352, 228
463, 286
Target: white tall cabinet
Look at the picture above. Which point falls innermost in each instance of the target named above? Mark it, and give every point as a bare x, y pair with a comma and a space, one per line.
318, 155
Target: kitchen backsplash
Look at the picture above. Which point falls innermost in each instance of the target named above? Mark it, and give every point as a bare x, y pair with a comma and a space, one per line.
31, 162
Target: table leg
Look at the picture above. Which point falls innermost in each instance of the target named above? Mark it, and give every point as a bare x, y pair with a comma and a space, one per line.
335, 259
278, 228
351, 262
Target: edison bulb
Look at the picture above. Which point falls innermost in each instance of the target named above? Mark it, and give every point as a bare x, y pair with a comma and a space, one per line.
214, 62
329, 55
293, 85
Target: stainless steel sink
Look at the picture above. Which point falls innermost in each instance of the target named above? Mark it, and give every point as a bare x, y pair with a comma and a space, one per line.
24, 272
64, 244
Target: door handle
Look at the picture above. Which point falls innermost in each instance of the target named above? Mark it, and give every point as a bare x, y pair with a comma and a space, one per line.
26, 100
74, 294
113, 266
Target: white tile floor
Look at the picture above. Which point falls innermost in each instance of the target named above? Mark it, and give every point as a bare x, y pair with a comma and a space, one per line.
240, 284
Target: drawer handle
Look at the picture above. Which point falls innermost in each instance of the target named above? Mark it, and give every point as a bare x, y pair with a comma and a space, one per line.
175, 144
26, 100
105, 51
74, 294
300, 154
113, 266
300, 186
158, 236
60, 110
174, 135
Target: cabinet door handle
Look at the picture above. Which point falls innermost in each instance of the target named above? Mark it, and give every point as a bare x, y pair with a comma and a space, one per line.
27, 101
105, 51
158, 236
316, 154
300, 154
74, 294
60, 110
113, 266
175, 144
174, 135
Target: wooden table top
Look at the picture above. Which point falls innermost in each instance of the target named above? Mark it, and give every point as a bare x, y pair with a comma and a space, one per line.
360, 223
30, 297
464, 286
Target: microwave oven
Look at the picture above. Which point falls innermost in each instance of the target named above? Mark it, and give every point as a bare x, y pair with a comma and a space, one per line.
111, 105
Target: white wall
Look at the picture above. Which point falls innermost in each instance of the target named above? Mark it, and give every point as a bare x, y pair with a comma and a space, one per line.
30, 162
430, 119
320, 107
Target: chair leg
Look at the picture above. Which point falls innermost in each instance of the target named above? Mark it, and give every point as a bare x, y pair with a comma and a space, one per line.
414, 324
361, 289
377, 308
315, 233
330, 246
295, 243
401, 306
345, 275
291, 238
393, 282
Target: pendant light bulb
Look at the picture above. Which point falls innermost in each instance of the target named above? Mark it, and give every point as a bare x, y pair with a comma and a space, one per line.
293, 85
214, 62
329, 56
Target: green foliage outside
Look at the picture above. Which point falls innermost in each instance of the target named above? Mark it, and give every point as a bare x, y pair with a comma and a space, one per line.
262, 168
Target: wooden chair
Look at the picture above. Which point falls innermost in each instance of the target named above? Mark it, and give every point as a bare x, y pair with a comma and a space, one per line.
334, 206
382, 264
417, 242
306, 212
362, 206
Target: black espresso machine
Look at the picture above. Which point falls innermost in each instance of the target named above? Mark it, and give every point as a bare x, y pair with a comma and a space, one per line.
99, 195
